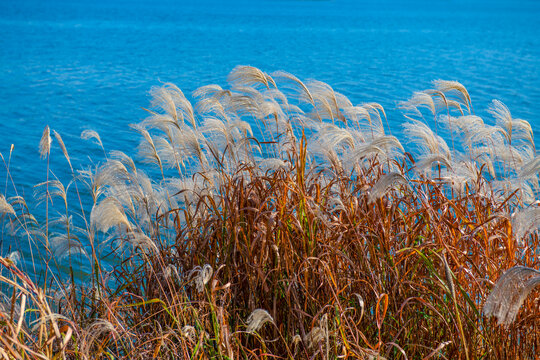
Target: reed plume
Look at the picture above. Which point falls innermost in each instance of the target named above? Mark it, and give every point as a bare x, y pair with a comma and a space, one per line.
107, 214
201, 276
45, 143
509, 293
447, 86
525, 221
385, 184
423, 136
257, 319
243, 75
92, 134
418, 100
5, 207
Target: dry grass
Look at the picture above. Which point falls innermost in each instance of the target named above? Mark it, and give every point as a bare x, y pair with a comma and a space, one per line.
280, 221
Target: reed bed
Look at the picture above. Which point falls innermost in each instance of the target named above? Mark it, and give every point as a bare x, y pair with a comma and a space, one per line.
274, 219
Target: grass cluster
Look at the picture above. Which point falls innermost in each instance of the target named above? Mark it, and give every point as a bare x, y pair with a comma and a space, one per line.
278, 220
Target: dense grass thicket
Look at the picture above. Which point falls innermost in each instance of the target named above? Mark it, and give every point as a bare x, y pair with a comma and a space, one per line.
274, 219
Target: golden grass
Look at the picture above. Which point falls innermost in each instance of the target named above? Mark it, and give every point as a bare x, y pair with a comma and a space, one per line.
279, 220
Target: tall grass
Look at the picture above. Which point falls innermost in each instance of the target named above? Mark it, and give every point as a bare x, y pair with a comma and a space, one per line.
275, 219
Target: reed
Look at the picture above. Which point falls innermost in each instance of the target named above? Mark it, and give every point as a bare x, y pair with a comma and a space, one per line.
275, 219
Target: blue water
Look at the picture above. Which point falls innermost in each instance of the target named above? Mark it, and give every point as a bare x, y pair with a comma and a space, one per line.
76, 65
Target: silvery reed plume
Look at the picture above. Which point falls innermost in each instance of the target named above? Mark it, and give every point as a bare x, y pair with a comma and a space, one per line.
509, 293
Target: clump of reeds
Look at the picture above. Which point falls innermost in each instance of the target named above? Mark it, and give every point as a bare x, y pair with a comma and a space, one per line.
276, 219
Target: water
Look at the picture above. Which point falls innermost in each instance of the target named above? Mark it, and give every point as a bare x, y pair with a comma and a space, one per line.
89, 65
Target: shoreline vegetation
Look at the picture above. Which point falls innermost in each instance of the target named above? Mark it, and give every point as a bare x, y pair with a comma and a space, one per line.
274, 219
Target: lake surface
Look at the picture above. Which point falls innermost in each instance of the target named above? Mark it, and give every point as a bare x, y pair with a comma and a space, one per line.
78, 65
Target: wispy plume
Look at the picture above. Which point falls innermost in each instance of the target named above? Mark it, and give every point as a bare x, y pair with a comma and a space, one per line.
92, 134
257, 319
243, 75
201, 276
419, 99
449, 87
318, 334
108, 213
63, 147
510, 292
385, 184
45, 143
65, 245
14, 257
525, 221
5, 207
423, 136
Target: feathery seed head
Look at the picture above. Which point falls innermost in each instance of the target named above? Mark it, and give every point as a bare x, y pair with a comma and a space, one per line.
423, 136
502, 115
419, 99
45, 143
201, 276
510, 292
64, 246
108, 213
5, 207
139, 239
447, 86
91, 134
257, 319
525, 221
385, 184
243, 75
189, 332
63, 147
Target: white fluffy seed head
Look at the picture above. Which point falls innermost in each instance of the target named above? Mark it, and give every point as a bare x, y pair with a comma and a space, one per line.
91, 134
524, 222
447, 86
510, 292
318, 334
385, 184
141, 240
314, 337
257, 319
45, 143
201, 276
108, 213
5, 207
189, 332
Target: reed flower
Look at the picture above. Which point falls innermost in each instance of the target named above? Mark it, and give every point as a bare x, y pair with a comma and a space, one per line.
91, 134
189, 332
317, 334
524, 222
5, 207
45, 143
385, 184
93, 332
447, 86
201, 276
257, 319
108, 213
510, 292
